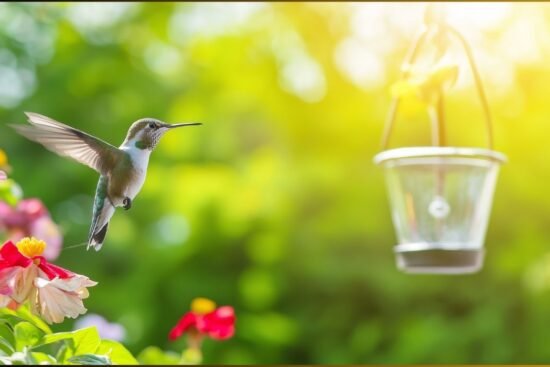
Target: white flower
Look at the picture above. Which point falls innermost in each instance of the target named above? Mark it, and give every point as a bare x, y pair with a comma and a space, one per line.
59, 298
22, 283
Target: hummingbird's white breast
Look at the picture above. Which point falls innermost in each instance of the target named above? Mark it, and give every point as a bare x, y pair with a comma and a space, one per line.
140, 160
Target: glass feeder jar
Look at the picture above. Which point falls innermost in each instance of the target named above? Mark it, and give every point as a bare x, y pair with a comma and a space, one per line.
440, 200
440, 195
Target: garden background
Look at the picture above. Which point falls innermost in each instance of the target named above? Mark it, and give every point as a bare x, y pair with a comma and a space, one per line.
274, 205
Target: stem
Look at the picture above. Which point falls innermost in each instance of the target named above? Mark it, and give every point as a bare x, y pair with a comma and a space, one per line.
194, 340
192, 355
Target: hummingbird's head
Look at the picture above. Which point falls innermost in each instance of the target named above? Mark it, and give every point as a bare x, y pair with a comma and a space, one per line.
145, 133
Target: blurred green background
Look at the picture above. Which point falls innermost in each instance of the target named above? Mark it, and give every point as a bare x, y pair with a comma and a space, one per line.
274, 205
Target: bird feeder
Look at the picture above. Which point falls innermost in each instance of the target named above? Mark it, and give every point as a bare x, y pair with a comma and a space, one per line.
440, 196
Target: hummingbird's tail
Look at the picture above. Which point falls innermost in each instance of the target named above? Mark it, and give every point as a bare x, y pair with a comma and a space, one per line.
102, 213
98, 230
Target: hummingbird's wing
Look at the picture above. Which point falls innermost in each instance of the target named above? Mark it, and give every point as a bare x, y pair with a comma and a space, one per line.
70, 142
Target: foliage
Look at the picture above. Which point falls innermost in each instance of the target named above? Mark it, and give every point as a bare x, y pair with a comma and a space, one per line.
25, 339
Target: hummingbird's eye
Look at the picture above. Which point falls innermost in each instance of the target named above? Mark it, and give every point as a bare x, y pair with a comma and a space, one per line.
152, 125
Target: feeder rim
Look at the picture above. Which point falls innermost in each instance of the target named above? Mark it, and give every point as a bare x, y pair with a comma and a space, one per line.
431, 151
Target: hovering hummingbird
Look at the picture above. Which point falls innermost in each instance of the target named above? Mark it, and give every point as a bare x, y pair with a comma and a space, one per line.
122, 170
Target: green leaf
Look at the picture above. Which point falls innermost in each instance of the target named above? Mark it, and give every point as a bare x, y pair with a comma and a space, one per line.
5, 360
26, 314
9, 320
43, 358
116, 352
191, 356
15, 358
154, 355
64, 353
29, 358
26, 335
10, 191
6, 346
84, 341
23, 314
19, 358
7, 341
52, 338
90, 359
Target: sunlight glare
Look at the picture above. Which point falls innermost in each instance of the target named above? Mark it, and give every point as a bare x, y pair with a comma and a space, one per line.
481, 16
362, 66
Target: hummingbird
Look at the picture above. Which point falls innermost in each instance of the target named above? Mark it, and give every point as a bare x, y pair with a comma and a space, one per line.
122, 170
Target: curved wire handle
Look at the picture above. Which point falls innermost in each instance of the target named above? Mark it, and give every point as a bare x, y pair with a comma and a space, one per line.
438, 26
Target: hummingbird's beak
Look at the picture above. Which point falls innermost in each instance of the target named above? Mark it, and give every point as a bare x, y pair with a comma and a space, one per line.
172, 126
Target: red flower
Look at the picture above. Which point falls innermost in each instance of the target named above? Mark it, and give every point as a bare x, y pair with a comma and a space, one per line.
205, 319
10, 256
25, 275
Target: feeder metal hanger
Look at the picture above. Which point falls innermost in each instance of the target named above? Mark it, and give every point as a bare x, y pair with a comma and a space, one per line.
434, 23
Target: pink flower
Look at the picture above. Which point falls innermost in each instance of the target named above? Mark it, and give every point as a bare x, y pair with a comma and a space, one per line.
46, 229
3, 175
31, 218
32, 209
205, 319
53, 292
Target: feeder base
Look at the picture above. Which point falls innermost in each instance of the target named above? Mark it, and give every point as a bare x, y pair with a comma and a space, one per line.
440, 261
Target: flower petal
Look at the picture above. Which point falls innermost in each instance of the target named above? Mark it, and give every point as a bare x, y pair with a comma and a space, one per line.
59, 298
22, 283
219, 324
45, 229
53, 271
15, 280
187, 321
5, 212
76, 283
32, 209
10, 256
6, 280
222, 333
